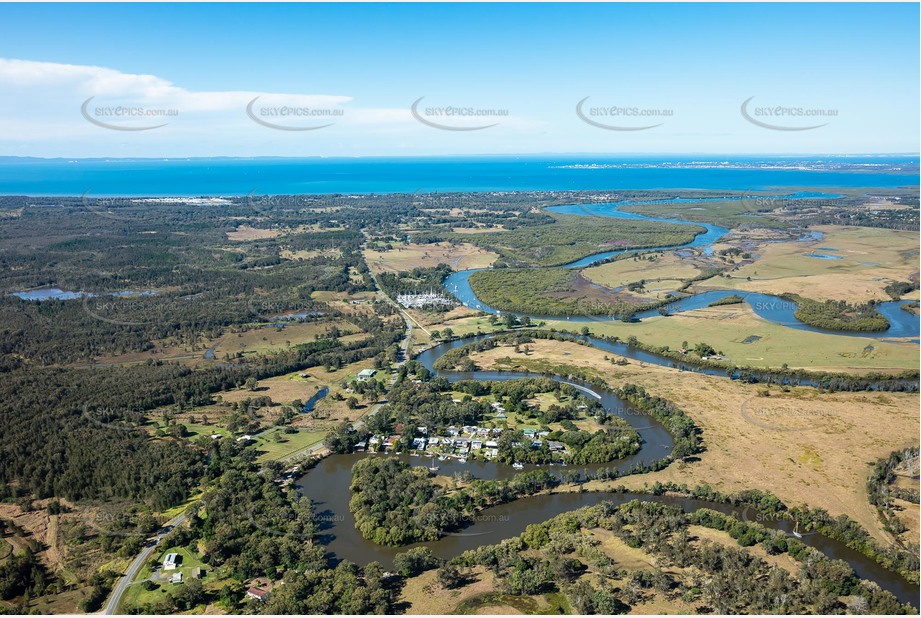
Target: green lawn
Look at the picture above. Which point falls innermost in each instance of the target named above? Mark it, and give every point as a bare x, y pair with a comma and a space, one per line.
727, 328
136, 596
269, 449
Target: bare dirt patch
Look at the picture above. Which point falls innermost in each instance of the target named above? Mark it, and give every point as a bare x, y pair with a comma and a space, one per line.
40, 526
245, 232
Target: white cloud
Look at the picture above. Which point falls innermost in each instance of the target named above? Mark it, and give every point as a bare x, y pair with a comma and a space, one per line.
40, 114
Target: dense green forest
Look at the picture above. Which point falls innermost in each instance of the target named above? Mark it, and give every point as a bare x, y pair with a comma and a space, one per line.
80, 433
571, 237
397, 504
838, 315
555, 292
246, 526
733, 299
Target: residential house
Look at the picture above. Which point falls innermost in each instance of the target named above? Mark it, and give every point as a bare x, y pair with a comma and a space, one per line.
171, 561
257, 594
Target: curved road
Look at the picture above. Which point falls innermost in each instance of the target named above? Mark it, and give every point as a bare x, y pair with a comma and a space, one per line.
122, 586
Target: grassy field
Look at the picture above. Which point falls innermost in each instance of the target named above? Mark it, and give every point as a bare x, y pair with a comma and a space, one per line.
573, 237
283, 390
668, 267
788, 443
136, 596
727, 327
271, 339
461, 321
287, 444
726, 213
418, 592
871, 258
459, 256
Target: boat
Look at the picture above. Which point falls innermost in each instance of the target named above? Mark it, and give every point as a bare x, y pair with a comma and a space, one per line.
796, 531
518, 465
462, 460
441, 458
433, 467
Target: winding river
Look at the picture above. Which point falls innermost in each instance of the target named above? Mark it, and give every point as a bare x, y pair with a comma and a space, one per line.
327, 484
771, 308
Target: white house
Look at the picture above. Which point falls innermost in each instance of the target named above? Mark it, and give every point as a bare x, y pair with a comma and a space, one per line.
171, 561
366, 374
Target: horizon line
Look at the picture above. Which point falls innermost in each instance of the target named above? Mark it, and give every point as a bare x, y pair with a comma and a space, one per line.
460, 155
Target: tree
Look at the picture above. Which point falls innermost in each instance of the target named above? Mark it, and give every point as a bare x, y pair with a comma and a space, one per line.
415, 561
188, 595
251, 384
449, 577
352, 403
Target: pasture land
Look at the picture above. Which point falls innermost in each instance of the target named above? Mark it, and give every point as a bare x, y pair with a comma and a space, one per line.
407, 257
788, 443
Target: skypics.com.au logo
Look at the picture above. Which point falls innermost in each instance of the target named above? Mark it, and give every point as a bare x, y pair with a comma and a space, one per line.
455, 117
784, 117
126, 117
621, 117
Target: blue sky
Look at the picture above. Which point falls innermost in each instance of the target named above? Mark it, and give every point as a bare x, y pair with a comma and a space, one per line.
686, 68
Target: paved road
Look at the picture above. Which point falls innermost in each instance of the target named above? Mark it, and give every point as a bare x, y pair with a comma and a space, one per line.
410, 322
119, 590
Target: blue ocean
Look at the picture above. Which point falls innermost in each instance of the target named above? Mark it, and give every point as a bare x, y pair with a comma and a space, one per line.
271, 176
